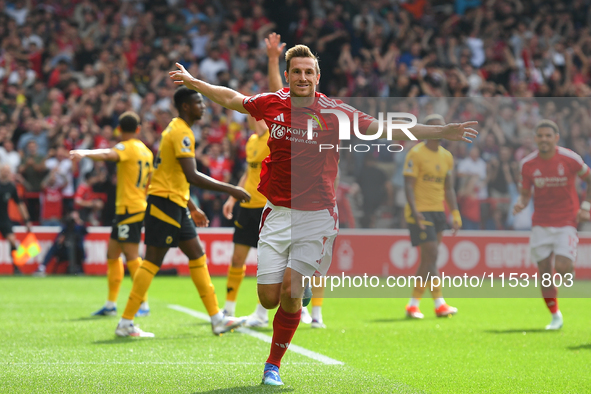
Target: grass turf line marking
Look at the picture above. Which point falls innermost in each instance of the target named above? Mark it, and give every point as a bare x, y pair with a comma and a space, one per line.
265, 338
141, 363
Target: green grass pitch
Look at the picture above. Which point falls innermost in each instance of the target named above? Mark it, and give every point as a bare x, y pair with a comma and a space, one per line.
50, 344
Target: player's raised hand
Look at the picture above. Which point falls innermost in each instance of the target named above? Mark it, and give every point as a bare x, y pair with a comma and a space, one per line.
76, 156
274, 45
583, 216
200, 218
228, 207
459, 131
181, 76
240, 194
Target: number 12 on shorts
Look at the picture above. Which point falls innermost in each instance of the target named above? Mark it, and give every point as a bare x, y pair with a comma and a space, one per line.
123, 231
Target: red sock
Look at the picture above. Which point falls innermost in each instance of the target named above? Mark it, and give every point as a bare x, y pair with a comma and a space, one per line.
552, 304
284, 326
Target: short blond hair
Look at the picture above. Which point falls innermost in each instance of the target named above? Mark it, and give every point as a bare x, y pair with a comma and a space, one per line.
547, 123
129, 121
300, 51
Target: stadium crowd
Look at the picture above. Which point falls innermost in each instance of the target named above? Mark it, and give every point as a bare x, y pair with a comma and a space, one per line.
68, 69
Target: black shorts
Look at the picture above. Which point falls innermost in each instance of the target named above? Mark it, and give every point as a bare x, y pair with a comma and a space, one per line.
246, 226
435, 222
6, 228
128, 227
167, 223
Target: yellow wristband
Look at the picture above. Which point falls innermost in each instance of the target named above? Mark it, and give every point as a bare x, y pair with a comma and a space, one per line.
457, 217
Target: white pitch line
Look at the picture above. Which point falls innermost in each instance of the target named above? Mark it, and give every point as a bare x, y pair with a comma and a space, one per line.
9, 364
265, 338
134, 363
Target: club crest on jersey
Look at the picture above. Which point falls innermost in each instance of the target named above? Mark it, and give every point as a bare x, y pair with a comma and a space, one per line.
409, 166
560, 169
277, 131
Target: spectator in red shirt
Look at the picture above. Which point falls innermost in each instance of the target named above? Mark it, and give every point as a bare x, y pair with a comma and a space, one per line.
86, 202
59, 74
469, 203
51, 199
219, 166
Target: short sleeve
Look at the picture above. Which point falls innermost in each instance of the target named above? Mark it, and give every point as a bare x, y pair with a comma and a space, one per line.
411, 167
526, 181
257, 105
121, 150
183, 144
578, 165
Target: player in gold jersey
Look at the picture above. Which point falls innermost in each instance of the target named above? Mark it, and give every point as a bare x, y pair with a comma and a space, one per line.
169, 213
134, 166
428, 183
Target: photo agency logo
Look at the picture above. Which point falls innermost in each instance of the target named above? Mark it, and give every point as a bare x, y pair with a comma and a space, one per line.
392, 123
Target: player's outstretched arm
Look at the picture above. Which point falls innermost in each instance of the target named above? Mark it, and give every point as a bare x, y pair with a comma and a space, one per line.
94, 154
226, 97
274, 51
451, 131
204, 182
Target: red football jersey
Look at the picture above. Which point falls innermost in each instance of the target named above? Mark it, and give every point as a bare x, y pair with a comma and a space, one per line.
555, 197
85, 193
296, 174
51, 203
220, 167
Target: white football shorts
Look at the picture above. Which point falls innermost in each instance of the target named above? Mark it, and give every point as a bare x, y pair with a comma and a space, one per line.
562, 241
300, 240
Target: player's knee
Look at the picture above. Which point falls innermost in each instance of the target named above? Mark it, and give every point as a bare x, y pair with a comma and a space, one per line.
545, 265
429, 252
129, 256
563, 267
269, 301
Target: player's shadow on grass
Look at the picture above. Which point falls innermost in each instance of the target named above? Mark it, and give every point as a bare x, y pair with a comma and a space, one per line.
519, 331
91, 318
586, 346
248, 389
126, 340
194, 324
397, 320
263, 329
